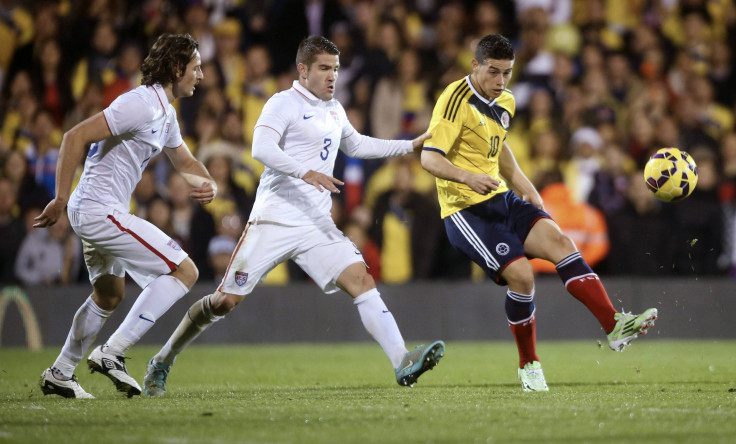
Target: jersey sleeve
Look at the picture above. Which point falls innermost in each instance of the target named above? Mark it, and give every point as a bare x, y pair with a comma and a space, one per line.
276, 114
446, 121
174, 140
128, 113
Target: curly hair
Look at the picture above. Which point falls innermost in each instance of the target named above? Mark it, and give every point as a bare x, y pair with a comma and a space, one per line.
168, 58
313, 46
494, 46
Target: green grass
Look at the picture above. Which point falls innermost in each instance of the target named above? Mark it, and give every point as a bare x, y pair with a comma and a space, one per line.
657, 391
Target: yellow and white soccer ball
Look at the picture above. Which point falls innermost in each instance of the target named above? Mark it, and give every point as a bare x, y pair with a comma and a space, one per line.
671, 174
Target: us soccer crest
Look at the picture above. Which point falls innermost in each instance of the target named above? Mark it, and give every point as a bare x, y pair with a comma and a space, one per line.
335, 116
241, 278
166, 129
172, 243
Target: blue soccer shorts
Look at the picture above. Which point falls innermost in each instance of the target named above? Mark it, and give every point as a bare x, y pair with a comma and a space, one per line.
492, 233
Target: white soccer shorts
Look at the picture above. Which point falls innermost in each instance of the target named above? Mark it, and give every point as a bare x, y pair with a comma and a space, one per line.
119, 243
323, 252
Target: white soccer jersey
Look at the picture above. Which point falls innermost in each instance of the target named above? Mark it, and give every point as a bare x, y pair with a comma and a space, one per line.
142, 123
310, 131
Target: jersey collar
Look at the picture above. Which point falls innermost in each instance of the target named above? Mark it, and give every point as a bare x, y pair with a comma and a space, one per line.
305, 92
470, 84
159, 90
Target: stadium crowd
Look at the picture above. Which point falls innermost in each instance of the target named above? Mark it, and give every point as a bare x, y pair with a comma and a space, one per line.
599, 86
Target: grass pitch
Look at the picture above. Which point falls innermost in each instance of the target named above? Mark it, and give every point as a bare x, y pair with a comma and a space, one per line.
657, 391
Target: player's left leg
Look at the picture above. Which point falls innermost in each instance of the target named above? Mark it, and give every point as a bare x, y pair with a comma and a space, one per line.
520, 313
159, 266
546, 241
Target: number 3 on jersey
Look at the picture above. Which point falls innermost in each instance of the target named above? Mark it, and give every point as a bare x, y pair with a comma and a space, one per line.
325, 150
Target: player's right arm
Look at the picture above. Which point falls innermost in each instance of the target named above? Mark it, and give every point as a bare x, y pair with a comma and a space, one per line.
436, 163
72, 148
271, 125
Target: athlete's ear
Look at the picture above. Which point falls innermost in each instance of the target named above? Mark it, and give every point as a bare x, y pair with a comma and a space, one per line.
302, 68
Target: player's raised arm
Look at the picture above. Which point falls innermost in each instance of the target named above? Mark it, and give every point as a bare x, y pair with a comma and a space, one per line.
72, 147
204, 188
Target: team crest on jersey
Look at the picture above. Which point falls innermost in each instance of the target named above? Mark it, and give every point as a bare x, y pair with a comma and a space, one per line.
241, 278
166, 129
172, 243
502, 249
505, 120
335, 116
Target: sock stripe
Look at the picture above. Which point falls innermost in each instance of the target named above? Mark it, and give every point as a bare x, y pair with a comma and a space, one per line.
523, 320
569, 258
520, 297
575, 278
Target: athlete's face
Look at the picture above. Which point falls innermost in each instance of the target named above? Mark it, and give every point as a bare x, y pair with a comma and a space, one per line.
184, 87
320, 77
492, 76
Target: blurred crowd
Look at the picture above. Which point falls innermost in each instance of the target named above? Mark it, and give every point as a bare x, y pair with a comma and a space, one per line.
599, 86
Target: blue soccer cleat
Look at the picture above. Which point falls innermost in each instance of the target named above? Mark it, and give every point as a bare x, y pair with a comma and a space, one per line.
419, 361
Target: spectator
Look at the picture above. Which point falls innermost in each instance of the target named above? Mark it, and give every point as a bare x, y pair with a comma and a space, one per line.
406, 229
580, 171
585, 225
25, 189
11, 231
191, 223
51, 80
641, 234
48, 256
43, 153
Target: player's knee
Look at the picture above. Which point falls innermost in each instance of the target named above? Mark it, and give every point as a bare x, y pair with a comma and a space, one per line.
223, 303
187, 272
520, 276
563, 241
108, 291
364, 282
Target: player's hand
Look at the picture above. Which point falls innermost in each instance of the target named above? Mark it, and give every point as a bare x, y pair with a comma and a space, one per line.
534, 199
482, 183
204, 194
322, 181
418, 143
50, 214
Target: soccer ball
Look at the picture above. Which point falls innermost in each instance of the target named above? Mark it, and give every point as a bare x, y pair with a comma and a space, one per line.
671, 174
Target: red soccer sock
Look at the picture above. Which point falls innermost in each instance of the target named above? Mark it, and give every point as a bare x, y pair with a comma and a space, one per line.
589, 290
525, 334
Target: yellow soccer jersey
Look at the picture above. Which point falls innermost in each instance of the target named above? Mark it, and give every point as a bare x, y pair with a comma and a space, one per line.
469, 131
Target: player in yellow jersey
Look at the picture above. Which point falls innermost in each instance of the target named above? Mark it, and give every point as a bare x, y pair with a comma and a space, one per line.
495, 216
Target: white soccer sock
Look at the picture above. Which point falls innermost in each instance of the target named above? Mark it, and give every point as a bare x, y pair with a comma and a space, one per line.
198, 319
151, 304
88, 321
381, 325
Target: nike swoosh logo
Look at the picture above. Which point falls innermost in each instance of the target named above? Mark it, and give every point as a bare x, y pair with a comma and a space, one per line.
408, 365
145, 319
154, 131
385, 311
308, 117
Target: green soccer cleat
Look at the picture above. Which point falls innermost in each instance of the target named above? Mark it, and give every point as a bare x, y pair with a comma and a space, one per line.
419, 361
154, 383
532, 378
628, 326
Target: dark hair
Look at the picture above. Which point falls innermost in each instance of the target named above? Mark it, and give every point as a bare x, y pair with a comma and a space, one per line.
313, 46
167, 59
494, 46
